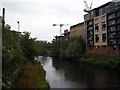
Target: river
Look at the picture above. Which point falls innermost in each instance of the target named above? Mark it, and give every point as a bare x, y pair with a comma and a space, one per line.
73, 74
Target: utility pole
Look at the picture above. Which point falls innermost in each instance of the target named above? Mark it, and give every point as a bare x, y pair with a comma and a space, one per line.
60, 27
3, 19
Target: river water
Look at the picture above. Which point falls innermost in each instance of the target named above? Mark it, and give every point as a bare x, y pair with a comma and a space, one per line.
73, 74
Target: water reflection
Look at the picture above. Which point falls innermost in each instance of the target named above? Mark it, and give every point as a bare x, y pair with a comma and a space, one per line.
72, 74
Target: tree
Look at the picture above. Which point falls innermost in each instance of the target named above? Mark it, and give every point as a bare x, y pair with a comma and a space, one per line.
28, 46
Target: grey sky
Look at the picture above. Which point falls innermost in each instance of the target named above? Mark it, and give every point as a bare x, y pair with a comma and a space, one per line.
37, 16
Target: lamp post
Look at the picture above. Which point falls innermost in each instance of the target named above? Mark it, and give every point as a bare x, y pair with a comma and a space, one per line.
18, 25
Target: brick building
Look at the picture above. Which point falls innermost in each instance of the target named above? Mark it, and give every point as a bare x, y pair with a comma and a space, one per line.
102, 27
78, 30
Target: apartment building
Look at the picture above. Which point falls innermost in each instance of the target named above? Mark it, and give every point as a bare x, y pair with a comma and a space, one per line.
78, 30
103, 29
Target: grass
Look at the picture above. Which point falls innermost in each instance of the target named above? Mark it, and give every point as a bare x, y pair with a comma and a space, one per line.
109, 61
32, 75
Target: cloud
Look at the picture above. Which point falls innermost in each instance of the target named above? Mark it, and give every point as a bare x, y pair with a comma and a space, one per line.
37, 16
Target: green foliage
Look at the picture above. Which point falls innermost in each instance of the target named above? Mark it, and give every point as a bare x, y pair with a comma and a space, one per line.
41, 47
16, 52
109, 61
28, 46
10, 38
70, 49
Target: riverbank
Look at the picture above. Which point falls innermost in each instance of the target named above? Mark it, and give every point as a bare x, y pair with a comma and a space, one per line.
28, 75
108, 61
32, 75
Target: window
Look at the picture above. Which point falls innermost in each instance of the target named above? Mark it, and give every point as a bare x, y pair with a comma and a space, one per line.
103, 25
97, 38
103, 17
96, 27
104, 37
96, 19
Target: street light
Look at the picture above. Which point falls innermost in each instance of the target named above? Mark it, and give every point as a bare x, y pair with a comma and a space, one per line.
18, 25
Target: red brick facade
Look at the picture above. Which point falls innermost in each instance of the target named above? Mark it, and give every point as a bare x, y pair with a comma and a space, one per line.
103, 50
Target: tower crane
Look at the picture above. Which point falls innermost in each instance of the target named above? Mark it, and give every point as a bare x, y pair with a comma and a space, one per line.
88, 8
61, 25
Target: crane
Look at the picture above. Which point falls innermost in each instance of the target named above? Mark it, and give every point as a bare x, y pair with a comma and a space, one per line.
88, 8
60, 27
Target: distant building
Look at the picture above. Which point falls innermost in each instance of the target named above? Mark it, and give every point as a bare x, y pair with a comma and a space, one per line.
66, 34
59, 38
78, 30
102, 26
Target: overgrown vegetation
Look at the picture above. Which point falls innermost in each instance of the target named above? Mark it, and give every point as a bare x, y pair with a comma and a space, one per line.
107, 61
18, 51
32, 75
70, 49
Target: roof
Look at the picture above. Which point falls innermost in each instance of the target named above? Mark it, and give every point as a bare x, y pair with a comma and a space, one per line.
79, 24
102, 5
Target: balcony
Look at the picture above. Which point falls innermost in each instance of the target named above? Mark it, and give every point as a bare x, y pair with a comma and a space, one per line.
111, 16
112, 22
90, 33
112, 42
90, 43
118, 21
90, 28
112, 35
112, 29
118, 27
118, 42
118, 35
118, 14
90, 39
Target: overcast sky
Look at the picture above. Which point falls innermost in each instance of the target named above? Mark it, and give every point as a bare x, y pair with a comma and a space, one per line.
37, 16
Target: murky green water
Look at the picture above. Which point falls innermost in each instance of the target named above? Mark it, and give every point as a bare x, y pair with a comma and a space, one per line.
72, 74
